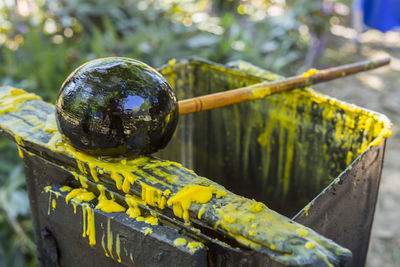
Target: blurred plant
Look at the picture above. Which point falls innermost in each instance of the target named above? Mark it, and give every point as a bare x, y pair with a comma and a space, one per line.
41, 42
16, 247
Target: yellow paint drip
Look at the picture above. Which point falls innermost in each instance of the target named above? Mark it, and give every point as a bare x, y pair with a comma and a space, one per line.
103, 244
180, 242
201, 212
148, 231
49, 206
181, 201
79, 195
153, 196
91, 232
109, 239
18, 140
20, 153
133, 210
88, 224
118, 247
53, 203
93, 172
107, 205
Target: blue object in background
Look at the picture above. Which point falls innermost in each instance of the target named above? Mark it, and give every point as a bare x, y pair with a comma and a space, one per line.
383, 15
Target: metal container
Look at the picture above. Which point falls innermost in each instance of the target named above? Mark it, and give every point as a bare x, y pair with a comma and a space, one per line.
308, 156
304, 154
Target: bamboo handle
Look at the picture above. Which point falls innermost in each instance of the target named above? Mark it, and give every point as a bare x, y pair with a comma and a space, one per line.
261, 90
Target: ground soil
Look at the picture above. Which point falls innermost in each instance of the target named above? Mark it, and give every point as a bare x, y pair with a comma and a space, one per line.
379, 91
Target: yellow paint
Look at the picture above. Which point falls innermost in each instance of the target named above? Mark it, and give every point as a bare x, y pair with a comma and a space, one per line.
306, 209
107, 205
310, 73
14, 99
90, 231
140, 219
153, 196
309, 245
18, 140
180, 242
118, 247
88, 224
48, 209
93, 172
82, 180
84, 221
201, 212
103, 244
302, 232
194, 246
53, 203
117, 177
65, 188
79, 195
260, 93
182, 200
133, 210
109, 239
148, 231
152, 220
149, 220
229, 219
257, 207
20, 153
349, 158
167, 192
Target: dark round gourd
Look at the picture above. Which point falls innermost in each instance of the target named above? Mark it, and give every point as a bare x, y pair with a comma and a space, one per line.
116, 106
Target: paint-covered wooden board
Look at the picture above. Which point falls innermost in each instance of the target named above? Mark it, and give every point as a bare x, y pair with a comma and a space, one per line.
166, 187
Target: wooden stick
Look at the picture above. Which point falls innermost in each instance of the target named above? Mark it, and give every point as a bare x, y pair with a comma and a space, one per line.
261, 90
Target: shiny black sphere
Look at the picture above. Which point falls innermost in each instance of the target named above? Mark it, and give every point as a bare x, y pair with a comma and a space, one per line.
115, 106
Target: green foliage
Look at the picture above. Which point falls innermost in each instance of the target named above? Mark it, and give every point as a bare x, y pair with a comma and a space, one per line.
16, 247
39, 50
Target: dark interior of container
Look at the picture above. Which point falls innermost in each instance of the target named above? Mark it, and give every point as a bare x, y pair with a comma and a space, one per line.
282, 150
